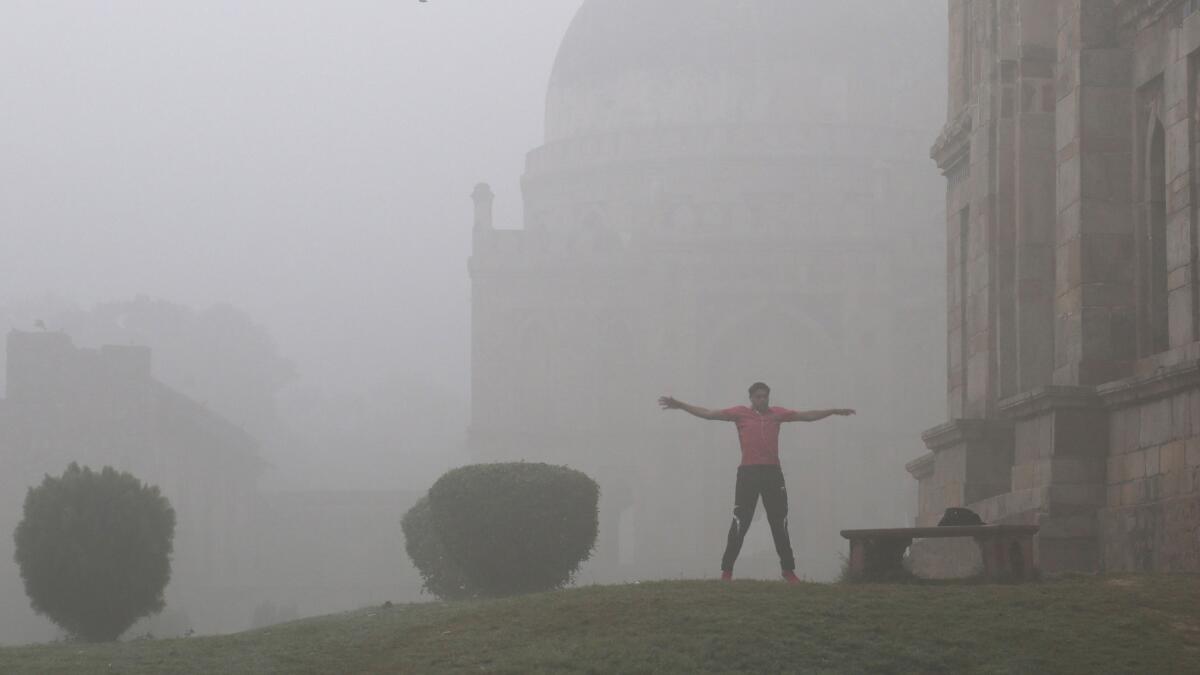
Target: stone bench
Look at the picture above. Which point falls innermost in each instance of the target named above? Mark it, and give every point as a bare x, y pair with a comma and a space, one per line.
1007, 550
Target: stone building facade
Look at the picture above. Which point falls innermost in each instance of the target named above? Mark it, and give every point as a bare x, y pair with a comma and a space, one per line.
1071, 153
727, 192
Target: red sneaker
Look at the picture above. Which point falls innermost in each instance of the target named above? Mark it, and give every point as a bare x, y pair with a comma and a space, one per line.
726, 575
790, 577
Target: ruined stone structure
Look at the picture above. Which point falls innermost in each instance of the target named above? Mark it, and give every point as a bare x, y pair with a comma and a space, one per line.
235, 546
1071, 152
103, 407
728, 192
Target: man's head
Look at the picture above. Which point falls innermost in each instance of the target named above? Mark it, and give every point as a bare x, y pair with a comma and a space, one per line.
760, 396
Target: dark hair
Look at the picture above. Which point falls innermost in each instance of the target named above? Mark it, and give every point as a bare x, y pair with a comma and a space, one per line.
759, 385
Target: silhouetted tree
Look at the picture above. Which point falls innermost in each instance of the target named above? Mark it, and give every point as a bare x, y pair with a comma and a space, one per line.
94, 549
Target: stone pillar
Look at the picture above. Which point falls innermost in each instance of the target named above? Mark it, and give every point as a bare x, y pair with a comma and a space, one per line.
972, 460
1035, 194
978, 250
1004, 101
1094, 239
1060, 448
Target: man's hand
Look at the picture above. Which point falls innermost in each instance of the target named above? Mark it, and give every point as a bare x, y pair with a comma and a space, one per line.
814, 415
669, 403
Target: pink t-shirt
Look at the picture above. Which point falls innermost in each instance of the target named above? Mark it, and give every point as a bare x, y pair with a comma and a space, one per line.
758, 433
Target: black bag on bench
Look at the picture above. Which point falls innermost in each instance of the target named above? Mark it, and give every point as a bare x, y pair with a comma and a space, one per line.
956, 515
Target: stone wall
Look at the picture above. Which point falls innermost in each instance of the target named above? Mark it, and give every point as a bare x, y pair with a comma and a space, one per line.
1072, 265
1151, 517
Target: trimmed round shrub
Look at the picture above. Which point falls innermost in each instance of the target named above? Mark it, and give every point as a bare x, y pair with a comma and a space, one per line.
94, 549
502, 529
441, 576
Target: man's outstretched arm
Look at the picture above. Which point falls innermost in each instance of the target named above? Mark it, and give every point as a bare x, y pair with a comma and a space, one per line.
814, 415
670, 403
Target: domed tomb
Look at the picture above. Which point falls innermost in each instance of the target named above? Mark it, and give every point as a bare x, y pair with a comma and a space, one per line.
629, 64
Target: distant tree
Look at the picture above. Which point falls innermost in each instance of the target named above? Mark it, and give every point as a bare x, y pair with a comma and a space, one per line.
501, 529
94, 549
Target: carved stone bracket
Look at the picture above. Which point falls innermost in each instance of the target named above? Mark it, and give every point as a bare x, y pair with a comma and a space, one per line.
954, 143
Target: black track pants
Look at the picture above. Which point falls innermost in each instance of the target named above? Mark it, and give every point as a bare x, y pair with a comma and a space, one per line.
752, 481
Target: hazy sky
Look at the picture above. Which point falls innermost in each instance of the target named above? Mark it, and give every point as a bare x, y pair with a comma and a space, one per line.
308, 162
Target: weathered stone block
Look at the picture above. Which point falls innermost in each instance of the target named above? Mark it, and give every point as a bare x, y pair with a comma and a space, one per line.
1179, 277
1155, 423
1151, 54
1023, 476
1115, 469
1104, 176
1107, 258
1066, 120
1158, 537
1107, 294
1133, 492
1153, 488
1105, 67
1133, 429
1081, 494
1173, 457
1069, 223
1135, 465
1192, 451
1152, 466
1073, 471
1179, 314
1068, 182
1181, 418
1178, 228
1097, 344
1189, 34
1104, 112
1172, 484
1175, 78
1080, 525
1116, 431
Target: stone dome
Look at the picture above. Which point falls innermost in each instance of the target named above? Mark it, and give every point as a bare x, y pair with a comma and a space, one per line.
636, 64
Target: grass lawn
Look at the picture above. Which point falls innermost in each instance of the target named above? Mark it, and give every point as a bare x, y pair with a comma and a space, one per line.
1135, 624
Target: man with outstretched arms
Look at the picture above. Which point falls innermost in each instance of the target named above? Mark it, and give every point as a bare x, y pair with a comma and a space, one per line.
759, 472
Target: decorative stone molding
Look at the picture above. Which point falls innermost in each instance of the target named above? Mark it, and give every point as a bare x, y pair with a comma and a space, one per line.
959, 431
921, 467
1163, 382
1136, 14
1045, 399
954, 143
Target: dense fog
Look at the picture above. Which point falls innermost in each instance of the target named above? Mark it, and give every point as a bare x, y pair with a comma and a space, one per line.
275, 198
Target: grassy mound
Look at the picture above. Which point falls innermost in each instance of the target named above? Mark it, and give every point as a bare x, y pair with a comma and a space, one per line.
1080, 624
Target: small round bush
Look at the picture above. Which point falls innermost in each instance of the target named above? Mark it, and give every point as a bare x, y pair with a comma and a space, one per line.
508, 528
94, 549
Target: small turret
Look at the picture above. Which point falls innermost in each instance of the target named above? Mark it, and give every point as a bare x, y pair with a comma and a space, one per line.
483, 197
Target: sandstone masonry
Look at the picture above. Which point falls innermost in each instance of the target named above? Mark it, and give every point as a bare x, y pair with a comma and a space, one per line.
1073, 366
